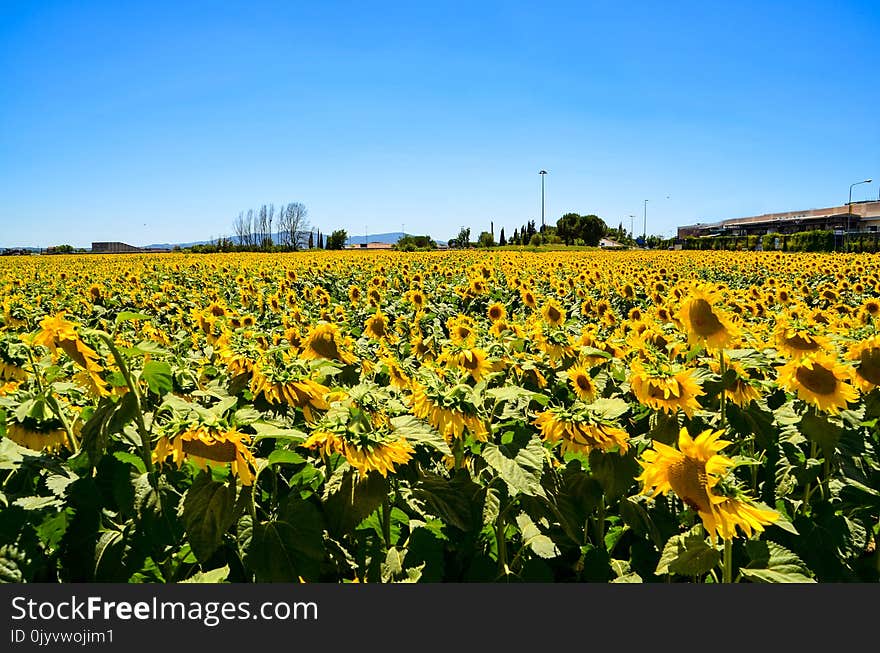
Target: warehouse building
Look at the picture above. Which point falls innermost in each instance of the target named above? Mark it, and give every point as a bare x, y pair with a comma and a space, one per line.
865, 218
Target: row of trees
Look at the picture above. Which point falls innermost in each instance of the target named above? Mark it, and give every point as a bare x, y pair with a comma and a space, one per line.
570, 229
268, 230
262, 227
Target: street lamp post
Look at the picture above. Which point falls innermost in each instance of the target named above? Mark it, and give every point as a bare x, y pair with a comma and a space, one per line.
849, 213
542, 173
631, 223
645, 225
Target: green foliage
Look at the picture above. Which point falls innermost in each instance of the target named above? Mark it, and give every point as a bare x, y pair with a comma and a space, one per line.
337, 239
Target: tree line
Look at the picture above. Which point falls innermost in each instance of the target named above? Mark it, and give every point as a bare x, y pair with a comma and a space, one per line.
570, 229
269, 230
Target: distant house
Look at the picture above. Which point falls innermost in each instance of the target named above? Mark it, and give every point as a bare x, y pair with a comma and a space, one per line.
370, 246
607, 243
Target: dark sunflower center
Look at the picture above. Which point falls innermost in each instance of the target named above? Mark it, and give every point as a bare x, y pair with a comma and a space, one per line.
325, 346
656, 391
222, 452
471, 362
869, 365
705, 322
553, 314
818, 380
689, 481
378, 327
583, 382
494, 313
797, 341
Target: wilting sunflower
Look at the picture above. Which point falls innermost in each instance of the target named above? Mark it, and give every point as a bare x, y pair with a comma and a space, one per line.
665, 387
795, 338
447, 413
13, 358
286, 382
204, 445
693, 472
238, 351
579, 433
867, 356
741, 391
37, 436
367, 454
58, 333
819, 380
581, 382
325, 340
704, 321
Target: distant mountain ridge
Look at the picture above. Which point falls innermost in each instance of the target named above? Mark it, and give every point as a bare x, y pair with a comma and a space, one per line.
390, 238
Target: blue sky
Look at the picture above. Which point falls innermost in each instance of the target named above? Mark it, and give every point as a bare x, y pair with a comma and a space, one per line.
159, 123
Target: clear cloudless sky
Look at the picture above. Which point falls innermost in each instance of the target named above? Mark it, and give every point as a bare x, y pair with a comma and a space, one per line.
160, 121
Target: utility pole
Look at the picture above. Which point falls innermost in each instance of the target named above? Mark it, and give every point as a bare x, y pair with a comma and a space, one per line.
542, 173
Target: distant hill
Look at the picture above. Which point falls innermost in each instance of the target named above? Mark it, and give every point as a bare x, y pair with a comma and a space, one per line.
389, 238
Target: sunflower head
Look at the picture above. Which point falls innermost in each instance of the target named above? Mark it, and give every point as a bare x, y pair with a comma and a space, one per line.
207, 446
702, 319
694, 472
820, 380
866, 355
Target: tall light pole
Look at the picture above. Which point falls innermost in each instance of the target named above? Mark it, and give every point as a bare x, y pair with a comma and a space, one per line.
542, 173
849, 213
631, 222
645, 225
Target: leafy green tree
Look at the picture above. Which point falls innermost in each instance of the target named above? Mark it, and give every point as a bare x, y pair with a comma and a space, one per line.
485, 239
501, 239
463, 239
568, 227
337, 239
591, 229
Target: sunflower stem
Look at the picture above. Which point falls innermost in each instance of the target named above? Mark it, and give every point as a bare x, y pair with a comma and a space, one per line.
728, 561
723, 389
500, 536
600, 524
53, 403
386, 521
146, 450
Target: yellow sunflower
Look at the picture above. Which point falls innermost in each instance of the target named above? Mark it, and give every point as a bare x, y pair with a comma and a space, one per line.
496, 312
55, 333
704, 321
664, 388
819, 380
741, 391
377, 327
379, 456
325, 340
37, 437
287, 386
553, 313
580, 435
795, 340
205, 445
582, 383
867, 356
693, 472
450, 421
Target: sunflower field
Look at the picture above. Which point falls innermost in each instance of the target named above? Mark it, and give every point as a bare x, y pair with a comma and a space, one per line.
702, 417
